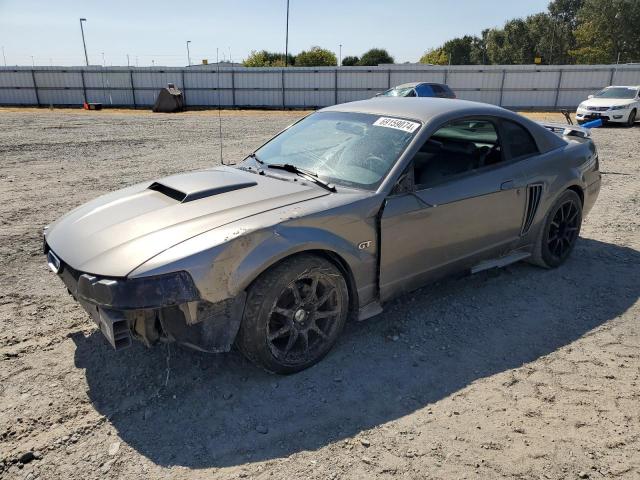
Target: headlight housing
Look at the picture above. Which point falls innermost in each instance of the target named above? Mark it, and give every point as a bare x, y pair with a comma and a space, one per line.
618, 107
137, 293
583, 106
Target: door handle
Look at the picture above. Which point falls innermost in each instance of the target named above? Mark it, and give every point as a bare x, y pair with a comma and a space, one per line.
507, 185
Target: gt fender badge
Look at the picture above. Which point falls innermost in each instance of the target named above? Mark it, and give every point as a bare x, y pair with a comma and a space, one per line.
363, 245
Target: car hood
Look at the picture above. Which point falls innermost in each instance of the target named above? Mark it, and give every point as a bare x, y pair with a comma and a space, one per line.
111, 235
607, 102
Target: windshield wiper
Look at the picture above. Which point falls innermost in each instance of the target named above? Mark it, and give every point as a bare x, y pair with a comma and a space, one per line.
255, 157
287, 167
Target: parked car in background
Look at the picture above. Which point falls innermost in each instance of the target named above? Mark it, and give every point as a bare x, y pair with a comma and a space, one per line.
419, 89
618, 104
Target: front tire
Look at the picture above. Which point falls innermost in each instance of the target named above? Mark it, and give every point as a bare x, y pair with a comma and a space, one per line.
294, 314
632, 118
559, 232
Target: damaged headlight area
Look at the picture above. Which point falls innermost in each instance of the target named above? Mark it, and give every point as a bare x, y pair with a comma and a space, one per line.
150, 309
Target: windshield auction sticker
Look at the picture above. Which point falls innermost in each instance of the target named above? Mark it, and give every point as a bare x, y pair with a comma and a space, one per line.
404, 125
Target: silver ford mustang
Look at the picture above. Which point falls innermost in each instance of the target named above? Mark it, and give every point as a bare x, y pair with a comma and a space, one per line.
336, 215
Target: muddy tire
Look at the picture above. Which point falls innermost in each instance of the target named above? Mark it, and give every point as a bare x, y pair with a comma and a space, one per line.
294, 314
559, 232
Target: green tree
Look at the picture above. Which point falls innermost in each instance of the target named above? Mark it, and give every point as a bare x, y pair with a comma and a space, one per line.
316, 57
511, 45
465, 50
606, 29
458, 50
350, 61
479, 49
566, 11
375, 56
263, 58
564, 17
435, 56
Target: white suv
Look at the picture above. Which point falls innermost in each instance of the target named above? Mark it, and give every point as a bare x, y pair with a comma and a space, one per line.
612, 104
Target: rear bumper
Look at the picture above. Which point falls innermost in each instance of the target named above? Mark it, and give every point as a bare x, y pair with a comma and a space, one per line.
150, 309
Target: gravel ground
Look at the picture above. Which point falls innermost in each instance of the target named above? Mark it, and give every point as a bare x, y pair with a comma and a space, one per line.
516, 373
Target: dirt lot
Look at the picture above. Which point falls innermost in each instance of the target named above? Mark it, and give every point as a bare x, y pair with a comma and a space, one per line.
518, 373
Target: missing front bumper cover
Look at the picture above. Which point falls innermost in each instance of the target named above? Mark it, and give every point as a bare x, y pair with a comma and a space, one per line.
153, 308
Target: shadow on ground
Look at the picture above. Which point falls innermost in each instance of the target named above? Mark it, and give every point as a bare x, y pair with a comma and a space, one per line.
179, 407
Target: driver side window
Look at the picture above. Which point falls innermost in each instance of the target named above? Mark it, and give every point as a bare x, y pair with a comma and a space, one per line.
455, 149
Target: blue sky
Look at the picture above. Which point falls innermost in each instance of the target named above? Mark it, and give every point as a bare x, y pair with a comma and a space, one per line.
155, 30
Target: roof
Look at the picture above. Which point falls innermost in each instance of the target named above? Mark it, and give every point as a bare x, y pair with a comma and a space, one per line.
415, 84
441, 110
418, 108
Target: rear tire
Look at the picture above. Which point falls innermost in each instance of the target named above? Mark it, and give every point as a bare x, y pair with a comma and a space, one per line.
559, 232
631, 121
294, 313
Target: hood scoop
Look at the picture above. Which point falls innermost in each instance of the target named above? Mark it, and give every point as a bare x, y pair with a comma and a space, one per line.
187, 187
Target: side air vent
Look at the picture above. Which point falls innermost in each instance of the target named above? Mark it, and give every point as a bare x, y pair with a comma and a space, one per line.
534, 194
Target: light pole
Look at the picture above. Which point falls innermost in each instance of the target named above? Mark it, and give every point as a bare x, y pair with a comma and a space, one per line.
127, 60
33, 62
286, 40
340, 57
84, 44
4, 57
188, 54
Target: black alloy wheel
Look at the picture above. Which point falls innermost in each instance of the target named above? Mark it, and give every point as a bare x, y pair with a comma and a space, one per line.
294, 314
559, 231
304, 318
564, 229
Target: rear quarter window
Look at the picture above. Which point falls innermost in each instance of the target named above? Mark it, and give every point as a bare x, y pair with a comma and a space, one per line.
518, 140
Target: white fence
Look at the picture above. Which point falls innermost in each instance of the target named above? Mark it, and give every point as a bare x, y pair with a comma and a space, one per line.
511, 86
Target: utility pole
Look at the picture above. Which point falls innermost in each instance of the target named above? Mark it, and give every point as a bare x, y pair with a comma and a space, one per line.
127, 60
4, 57
188, 54
340, 57
230, 61
33, 62
286, 41
84, 44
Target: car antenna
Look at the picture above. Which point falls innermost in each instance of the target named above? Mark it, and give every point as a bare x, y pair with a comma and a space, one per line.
219, 114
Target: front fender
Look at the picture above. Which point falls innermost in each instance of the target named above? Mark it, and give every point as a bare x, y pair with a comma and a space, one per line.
290, 240
226, 269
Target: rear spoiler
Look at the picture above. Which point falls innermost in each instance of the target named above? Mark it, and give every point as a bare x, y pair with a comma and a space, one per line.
567, 130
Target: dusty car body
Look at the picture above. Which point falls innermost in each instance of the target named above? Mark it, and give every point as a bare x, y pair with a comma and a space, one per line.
192, 257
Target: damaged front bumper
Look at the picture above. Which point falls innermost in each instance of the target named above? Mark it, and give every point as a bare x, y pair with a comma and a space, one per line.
150, 309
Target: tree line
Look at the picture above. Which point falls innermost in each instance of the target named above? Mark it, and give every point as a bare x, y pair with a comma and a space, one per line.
316, 57
569, 32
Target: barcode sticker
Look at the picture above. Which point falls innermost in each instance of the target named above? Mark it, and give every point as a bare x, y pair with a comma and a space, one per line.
404, 125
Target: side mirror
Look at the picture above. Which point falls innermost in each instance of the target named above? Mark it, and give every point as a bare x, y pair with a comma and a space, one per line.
590, 96
405, 183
